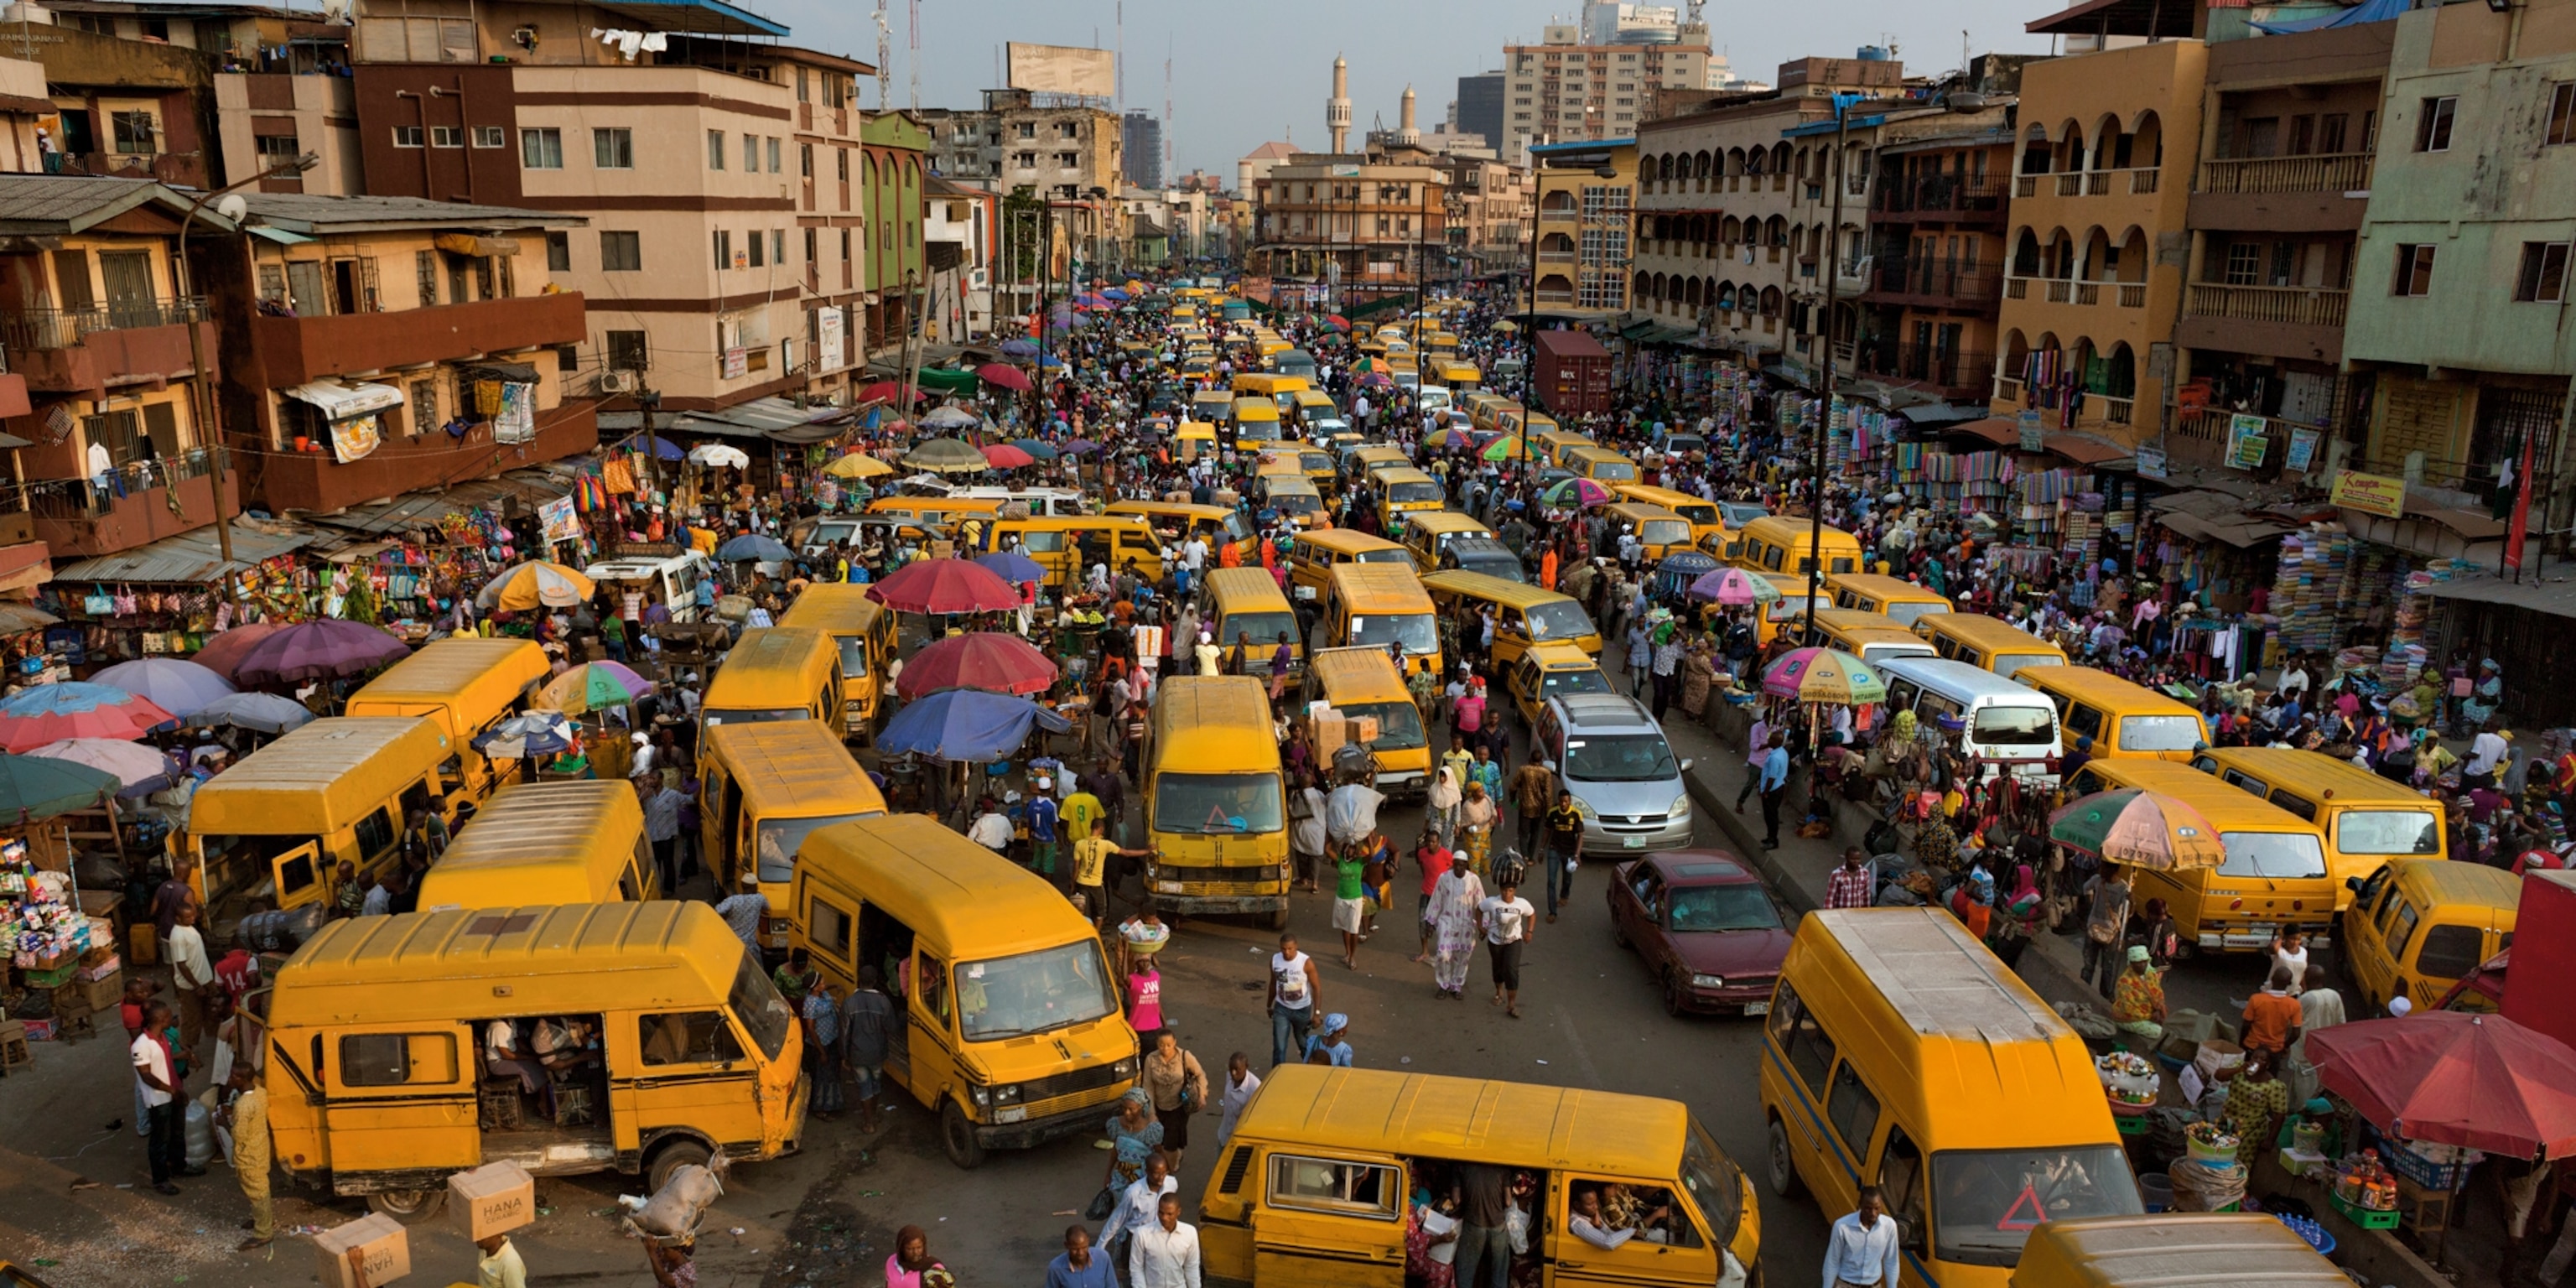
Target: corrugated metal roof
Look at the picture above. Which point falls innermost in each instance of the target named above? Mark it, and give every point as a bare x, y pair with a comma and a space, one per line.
191, 558
307, 212
66, 202
775, 418
425, 509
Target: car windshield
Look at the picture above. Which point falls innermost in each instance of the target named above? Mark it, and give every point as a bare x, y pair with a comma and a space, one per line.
1721, 907
2388, 831
780, 838
1216, 804
1008, 997
755, 715
1984, 1202
1619, 758
1398, 555
2014, 726
1419, 633
755, 1001
1399, 724
2281, 855
2159, 733
1588, 680
1713, 1182
1559, 619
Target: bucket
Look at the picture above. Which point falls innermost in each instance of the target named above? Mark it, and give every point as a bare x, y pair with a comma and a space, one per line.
2156, 1191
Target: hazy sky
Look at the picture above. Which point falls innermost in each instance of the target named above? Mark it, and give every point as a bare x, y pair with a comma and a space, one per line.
1247, 71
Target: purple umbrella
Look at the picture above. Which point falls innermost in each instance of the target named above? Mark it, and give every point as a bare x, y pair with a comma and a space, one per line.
1079, 447
326, 649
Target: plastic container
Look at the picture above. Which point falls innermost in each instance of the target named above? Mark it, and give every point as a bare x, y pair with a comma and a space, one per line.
2156, 1191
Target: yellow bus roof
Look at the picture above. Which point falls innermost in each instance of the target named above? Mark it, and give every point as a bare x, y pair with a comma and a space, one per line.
1791, 532
665, 952
324, 767
2317, 774
836, 608
2171, 1250
533, 827
1346, 541
1513, 1124
793, 769
1380, 588
1314, 398
1244, 588
1992, 634
1556, 655
1356, 674
1449, 521
1200, 722
2101, 688
1663, 496
1402, 474
1269, 382
492, 672
1931, 981
1252, 408
1643, 511
2463, 884
2228, 808
1195, 431
1883, 588
938, 883
1480, 585
766, 668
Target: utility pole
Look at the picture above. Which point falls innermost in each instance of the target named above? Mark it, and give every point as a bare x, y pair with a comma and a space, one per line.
1825, 417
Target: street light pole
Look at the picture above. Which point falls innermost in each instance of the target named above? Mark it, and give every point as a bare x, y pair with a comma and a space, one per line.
1825, 417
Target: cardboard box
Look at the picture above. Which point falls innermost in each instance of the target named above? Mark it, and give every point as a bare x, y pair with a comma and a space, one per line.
495, 1198
105, 992
384, 1252
1362, 729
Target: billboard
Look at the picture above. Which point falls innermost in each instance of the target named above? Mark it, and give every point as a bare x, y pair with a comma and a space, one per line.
1063, 69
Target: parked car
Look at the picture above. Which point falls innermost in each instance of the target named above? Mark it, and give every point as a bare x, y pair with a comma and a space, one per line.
1704, 926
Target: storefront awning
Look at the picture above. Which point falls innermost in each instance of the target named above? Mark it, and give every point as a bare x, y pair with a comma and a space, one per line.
2556, 598
2000, 430
340, 402
2084, 450
514, 372
189, 559
1939, 413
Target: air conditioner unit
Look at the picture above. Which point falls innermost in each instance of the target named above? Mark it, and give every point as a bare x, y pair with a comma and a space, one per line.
616, 382
977, 279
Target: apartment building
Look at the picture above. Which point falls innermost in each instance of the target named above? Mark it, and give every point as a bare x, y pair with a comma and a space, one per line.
125, 106
958, 231
1490, 227
2288, 123
1561, 90
2459, 284
2108, 147
1932, 281
1582, 195
1354, 221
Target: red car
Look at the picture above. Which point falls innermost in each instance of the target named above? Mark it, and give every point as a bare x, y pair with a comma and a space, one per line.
1703, 923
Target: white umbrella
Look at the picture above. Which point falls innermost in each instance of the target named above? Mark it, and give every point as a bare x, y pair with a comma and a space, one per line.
718, 454
951, 418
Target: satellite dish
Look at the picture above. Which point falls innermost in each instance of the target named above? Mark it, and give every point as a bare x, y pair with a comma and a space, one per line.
232, 207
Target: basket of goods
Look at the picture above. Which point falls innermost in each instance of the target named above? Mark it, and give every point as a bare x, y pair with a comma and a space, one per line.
2128, 1080
2210, 1143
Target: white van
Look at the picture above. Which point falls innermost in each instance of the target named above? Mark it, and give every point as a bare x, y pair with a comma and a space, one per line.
1043, 502
2004, 724
671, 578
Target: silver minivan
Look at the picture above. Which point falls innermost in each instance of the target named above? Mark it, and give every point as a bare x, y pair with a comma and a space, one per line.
1611, 755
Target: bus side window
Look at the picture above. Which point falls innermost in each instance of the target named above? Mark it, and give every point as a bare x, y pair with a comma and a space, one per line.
2081, 719
376, 832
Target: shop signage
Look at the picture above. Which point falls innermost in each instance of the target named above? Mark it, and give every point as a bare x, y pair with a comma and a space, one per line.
2378, 494
2247, 440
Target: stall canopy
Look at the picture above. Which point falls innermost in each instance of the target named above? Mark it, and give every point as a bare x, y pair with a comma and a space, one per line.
191, 558
426, 509
775, 419
340, 402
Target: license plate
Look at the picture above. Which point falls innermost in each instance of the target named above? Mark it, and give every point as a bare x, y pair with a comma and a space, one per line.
1167, 887
1013, 1115
1757, 1008
1633, 842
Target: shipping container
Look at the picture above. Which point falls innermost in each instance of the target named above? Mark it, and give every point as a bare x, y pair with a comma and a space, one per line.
1573, 375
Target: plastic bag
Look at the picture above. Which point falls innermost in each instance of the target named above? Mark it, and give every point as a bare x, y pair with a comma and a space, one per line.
199, 1135
1350, 813
675, 1210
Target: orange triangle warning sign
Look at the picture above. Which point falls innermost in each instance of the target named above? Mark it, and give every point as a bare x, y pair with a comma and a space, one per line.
2029, 1198
1217, 820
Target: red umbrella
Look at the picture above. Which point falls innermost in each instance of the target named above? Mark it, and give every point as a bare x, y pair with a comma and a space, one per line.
990, 661
224, 652
945, 586
47, 713
884, 391
1003, 456
1004, 375
2452, 1078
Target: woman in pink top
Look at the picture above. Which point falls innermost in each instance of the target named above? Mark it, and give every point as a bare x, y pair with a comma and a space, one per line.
1145, 1000
911, 1258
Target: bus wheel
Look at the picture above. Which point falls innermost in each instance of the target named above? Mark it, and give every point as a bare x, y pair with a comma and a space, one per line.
957, 1136
411, 1207
1276, 921
1784, 1172
671, 1158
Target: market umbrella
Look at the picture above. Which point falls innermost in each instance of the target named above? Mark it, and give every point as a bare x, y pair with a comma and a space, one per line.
176, 685
754, 547
947, 456
593, 686
1012, 566
966, 724
17, 618
138, 768
1506, 448
523, 586
529, 733
1037, 448
717, 454
33, 788
663, 449
1734, 587
1004, 456
1506, 326
327, 648
1079, 447
883, 391
1454, 437
1679, 570
223, 651
46, 713
1115, 293
1823, 675
257, 712
1002, 375
2454, 1078
945, 586
986, 660
947, 418
1019, 348
1337, 322
2141, 828
1576, 493
857, 465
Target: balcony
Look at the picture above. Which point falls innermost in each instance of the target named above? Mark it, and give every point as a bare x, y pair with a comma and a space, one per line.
294, 350
78, 523
316, 482
1934, 283
1941, 197
1952, 374
2280, 321
2263, 176
87, 351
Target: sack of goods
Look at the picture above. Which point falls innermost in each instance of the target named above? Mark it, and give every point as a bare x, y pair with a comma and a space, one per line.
675, 1210
1350, 813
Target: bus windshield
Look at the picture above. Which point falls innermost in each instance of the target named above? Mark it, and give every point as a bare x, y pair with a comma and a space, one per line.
1009, 997
1986, 1201
2159, 733
778, 839
1217, 804
1561, 619
1399, 724
2388, 831
1418, 633
2271, 854
2013, 726
1416, 490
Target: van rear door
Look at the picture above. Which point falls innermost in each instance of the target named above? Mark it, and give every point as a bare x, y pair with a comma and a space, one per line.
398, 1097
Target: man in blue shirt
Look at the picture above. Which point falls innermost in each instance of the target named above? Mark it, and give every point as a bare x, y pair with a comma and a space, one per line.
1041, 816
1775, 785
1077, 1267
1336, 1048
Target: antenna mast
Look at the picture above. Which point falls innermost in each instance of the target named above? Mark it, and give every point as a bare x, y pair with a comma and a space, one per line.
885, 59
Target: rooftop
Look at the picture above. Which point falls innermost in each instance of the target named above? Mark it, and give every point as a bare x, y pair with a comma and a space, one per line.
316, 214
62, 203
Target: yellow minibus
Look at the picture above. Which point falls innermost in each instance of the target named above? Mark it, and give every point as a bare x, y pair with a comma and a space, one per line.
1547, 671
1315, 555
1365, 682
276, 827
2272, 877
764, 788
863, 630
467, 686
1218, 525
1524, 616
1659, 531
1255, 420
1068, 547
577, 841
2366, 819
2123, 718
1428, 532
1774, 543
1600, 464
1375, 606
776, 673
2418, 926
1403, 491
1247, 604
2171, 1250
1705, 519
1867, 636
1215, 799
1873, 592
1988, 643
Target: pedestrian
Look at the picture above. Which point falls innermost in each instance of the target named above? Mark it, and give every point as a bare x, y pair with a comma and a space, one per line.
1757, 748
672, 1261
1775, 787
1455, 899
1484, 1258
2138, 1001
1350, 900
867, 1019
1564, 852
911, 1259
1135, 1138
1848, 886
1179, 1087
1433, 859
662, 828
1165, 1254
1533, 791
1506, 920
1091, 857
1145, 1002
498, 1265
1862, 1250
822, 1015
1240, 1083
1476, 817
247, 1119
745, 910
1077, 1266
1331, 1046
2106, 929
1293, 989
2272, 1017
154, 1066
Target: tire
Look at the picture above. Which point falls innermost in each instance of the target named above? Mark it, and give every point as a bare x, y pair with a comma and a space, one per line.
1275, 921
1783, 1172
670, 1158
411, 1207
1676, 996
1619, 933
957, 1136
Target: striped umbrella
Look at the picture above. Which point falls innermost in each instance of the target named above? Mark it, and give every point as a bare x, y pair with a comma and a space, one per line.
2137, 827
523, 586
1734, 587
1825, 675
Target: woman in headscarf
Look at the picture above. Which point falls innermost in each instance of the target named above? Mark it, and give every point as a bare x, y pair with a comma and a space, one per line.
1440, 808
1452, 914
911, 1259
1133, 1133
1475, 827
1699, 674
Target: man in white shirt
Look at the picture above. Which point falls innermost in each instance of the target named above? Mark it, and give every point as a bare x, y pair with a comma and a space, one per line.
1861, 1251
2486, 752
1166, 1253
191, 973
990, 829
167, 1147
1135, 1211
1506, 919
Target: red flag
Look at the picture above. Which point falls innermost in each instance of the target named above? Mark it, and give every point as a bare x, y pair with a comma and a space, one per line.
2521, 510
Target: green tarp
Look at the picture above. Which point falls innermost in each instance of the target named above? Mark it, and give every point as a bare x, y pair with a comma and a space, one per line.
949, 380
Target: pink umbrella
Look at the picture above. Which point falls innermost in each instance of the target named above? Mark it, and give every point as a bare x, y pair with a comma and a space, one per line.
1733, 587
1003, 375
47, 713
987, 660
224, 652
1003, 456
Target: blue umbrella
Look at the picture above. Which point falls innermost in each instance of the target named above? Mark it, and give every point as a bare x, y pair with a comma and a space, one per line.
1019, 348
1013, 566
1036, 447
752, 547
663, 449
1115, 293
967, 725
180, 687
530, 733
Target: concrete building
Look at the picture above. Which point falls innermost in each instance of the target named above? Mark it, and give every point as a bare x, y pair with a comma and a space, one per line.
1365, 222
1561, 90
1256, 165
1612, 22
1933, 279
958, 229
1489, 223
1142, 145
2109, 143
1480, 105
124, 105
1582, 221
2460, 280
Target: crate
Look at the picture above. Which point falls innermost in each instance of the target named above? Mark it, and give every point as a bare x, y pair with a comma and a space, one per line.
2366, 1218
2412, 1166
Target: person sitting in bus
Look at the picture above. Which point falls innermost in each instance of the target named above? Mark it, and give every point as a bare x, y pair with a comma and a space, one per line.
504, 1057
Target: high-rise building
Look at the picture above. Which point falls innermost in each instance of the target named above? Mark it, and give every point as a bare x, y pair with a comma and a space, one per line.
1144, 149
1480, 106
1608, 22
1563, 91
